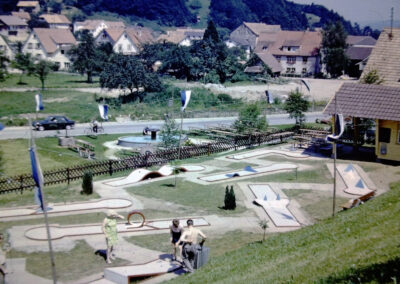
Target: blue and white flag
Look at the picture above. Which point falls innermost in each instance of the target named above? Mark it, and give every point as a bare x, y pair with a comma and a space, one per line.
39, 104
37, 177
103, 109
339, 128
185, 98
1, 126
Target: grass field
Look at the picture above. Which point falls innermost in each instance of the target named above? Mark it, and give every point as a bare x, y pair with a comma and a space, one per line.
357, 246
54, 80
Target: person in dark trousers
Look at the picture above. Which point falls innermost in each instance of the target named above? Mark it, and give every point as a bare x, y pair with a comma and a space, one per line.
95, 125
190, 246
176, 231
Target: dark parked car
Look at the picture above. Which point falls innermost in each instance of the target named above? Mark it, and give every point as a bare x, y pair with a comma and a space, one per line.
53, 122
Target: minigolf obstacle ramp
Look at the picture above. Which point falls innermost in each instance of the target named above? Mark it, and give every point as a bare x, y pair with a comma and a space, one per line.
274, 205
256, 153
123, 274
59, 232
143, 174
248, 171
353, 180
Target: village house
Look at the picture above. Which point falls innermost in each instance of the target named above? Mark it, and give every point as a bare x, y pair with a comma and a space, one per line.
28, 6
247, 34
56, 21
96, 26
51, 45
126, 41
380, 103
12, 26
358, 50
182, 36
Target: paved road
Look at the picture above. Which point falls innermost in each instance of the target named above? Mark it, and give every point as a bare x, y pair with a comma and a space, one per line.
137, 126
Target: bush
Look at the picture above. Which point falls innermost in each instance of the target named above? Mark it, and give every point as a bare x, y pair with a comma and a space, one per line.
87, 183
230, 199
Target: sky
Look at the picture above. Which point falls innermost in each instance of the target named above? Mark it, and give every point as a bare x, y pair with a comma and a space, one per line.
365, 12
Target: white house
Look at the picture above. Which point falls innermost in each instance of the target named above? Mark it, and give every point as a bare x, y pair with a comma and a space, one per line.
51, 45
121, 41
182, 36
5, 48
28, 6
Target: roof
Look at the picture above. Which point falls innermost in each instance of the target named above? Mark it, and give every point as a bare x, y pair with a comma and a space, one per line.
385, 57
259, 28
366, 101
93, 24
140, 35
51, 38
254, 69
55, 19
360, 40
22, 15
12, 20
27, 3
270, 61
179, 35
114, 34
307, 41
358, 53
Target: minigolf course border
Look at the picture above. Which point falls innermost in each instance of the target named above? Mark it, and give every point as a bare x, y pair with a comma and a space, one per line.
249, 171
143, 174
107, 203
59, 232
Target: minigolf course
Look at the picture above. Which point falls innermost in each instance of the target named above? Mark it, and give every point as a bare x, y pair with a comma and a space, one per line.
110, 203
249, 171
354, 183
59, 232
143, 174
274, 205
252, 154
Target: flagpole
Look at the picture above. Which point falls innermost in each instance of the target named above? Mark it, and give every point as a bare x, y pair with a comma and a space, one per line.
180, 137
44, 206
334, 163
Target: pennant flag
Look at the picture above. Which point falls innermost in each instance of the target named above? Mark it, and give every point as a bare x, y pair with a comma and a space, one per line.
103, 109
1, 126
305, 84
339, 128
37, 177
39, 104
185, 98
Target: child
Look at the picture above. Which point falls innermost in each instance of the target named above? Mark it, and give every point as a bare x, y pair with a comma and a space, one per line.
176, 232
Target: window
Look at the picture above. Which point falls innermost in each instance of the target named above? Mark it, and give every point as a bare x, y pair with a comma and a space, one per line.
291, 60
293, 70
38, 46
30, 45
278, 58
12, 33
288, 70
62, 51
384, 134
305, 59
2, 47
265, 47
119, 47
398, 138
304, 71
67, 65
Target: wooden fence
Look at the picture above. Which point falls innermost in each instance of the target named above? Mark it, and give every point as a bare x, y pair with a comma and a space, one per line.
66, 175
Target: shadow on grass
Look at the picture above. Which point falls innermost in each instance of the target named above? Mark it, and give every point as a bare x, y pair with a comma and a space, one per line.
388, 272
168, 185
22, 83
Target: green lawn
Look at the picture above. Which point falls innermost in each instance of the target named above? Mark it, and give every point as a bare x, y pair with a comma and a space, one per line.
205, 200
54, 80
360, 245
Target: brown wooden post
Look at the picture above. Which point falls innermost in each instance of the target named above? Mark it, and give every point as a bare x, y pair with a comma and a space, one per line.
68, 176
110, 170
21, 180
209, 149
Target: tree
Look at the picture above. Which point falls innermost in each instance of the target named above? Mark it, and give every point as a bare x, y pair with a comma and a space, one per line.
85, 56
230, 199
372, 77
333, 48
169, 134
24, 63
296, 105
87, 183
128, 73
233, 199
42, 69
264, 225
3, 66
211, 33
250, 120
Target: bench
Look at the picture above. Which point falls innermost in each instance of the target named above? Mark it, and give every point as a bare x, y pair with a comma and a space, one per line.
356, 202
83, 148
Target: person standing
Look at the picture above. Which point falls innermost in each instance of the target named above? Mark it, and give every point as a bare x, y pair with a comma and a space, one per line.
176, 231
109, 229
189, 239
3, 269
